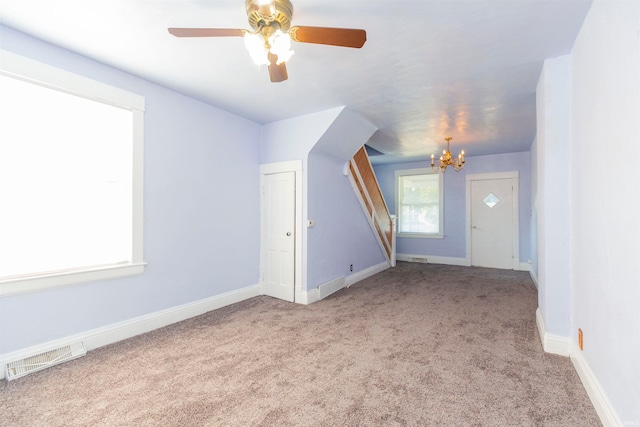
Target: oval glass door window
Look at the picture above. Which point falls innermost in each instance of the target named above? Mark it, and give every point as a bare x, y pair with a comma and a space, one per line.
491, 200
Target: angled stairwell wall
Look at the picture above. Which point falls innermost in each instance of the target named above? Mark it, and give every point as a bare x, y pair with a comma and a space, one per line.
341, 243
364, 182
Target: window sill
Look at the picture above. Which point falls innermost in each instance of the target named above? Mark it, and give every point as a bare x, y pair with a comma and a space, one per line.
39, 282
420, 235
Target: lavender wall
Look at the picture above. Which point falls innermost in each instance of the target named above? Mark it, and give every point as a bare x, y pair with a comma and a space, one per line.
292, 139
605, 242
342, 235
533, 232
553, 99
454, 242
201, 235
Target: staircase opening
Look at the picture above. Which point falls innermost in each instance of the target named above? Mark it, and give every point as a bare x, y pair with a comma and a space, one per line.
364, 182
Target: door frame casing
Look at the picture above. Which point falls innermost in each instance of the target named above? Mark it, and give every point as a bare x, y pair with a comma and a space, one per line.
514, 176
274, 168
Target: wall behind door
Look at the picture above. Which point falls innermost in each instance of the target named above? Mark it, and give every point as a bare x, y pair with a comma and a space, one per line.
454, 242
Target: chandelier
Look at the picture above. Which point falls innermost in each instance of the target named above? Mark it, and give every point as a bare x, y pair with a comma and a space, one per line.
445, 160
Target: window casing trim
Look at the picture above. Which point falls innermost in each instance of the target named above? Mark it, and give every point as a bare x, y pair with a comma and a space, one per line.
16, 66
421, 171
36, 282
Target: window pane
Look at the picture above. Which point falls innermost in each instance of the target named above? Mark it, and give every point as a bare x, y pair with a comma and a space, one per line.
419, 204
65, 180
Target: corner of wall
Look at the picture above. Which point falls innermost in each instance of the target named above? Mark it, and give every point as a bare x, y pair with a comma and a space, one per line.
534, 277
366, 273
551, 343
307, 297
332, 286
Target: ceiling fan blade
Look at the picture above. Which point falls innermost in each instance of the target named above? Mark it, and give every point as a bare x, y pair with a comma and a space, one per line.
277, 72
345, 37
207, 32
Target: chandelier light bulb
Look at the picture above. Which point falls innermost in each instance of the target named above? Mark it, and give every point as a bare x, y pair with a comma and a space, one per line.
281, 46
254, 42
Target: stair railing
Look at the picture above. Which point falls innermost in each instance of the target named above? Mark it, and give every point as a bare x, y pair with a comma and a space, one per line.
364, 182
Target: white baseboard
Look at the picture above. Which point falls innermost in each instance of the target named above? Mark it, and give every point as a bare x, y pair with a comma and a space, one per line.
326, 289
534, 278
525, 266
551, 343
109, 334
434, 259
366, 273
331, 286
561, 345
599, 399
307, 297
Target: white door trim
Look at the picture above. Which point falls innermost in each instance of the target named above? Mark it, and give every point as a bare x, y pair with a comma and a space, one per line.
290, 166
514, 176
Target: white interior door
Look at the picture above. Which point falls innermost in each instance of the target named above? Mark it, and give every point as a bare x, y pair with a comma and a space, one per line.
492, 223
278, 240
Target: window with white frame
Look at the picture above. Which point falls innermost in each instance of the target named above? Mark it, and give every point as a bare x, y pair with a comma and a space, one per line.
70, 178
419, 194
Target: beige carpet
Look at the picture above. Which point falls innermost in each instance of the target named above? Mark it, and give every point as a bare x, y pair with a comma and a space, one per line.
418, 345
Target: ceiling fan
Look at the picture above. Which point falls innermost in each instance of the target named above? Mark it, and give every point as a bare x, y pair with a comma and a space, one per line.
270, 41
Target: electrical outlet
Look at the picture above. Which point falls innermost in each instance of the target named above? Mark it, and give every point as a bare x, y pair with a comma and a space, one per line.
580, 339
351, 267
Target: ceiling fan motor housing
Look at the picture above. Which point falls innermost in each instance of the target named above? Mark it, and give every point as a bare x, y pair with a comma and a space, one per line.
281, 19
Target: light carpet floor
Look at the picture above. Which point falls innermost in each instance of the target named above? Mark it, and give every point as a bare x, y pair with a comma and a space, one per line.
417, 345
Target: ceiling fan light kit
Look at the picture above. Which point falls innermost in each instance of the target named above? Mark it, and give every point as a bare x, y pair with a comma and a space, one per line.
278, 43
270, 41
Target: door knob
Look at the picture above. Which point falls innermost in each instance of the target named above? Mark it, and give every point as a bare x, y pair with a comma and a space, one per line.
288, 233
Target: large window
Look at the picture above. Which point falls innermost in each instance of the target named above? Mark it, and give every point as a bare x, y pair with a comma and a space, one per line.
419, 203
70, 178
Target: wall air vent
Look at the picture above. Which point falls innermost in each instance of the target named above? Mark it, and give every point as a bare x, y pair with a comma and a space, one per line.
38, 362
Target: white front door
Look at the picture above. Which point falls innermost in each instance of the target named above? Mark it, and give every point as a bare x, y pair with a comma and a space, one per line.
492, 223
278, 240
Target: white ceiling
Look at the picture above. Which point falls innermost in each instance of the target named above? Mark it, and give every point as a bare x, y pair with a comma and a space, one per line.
429, 69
